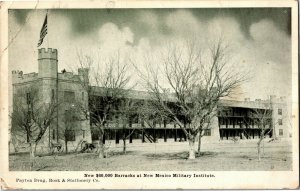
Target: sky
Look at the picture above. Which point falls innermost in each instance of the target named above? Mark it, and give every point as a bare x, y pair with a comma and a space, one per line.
259, 38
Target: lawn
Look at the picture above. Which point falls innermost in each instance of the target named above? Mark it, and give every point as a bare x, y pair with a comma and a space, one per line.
222, 156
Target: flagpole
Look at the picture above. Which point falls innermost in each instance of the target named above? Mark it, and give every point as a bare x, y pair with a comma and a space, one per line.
57, 109
43, 33
50, 145
47, 29
57, 88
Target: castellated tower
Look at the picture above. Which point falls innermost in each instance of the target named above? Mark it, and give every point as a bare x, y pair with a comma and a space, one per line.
47, 67
47, 60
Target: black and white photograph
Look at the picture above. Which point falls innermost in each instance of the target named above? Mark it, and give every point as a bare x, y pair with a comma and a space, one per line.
184, 89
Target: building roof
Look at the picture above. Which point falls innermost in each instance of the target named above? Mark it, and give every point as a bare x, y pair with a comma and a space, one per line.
144, 95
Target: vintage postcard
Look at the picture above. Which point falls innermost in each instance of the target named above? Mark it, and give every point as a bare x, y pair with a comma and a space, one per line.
146, 95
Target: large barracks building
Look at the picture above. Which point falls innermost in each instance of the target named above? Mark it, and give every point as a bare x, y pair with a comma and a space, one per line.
234, 121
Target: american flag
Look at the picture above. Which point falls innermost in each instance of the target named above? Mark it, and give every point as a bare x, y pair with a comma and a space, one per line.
43, 32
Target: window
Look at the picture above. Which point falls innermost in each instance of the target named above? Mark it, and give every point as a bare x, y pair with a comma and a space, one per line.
279, 121
53, 134
28, 98
95, 135
135, 118
207, 132
230, 121
238, 123
69, 132
130, 121
83, 133
52, 94
69, 96
279, 111
220, 120
68, 116
70, 135
82, 95
280, 132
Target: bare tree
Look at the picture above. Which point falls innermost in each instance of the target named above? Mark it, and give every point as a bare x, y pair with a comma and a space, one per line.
127, 114
263, 119
32, 116
111, 80
13, 140
196, 86
20, 117
67, 131
202, 132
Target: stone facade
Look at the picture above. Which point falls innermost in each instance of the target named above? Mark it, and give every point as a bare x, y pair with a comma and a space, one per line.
63, 87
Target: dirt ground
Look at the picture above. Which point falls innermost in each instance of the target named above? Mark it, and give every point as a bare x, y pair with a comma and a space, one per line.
171, 156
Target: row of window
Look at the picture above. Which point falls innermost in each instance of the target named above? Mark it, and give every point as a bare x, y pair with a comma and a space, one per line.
239, 112
70, 134
229, 121
69, 96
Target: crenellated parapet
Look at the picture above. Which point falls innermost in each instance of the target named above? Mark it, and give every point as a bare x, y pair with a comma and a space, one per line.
69, 76
273, 102
278, 100
19, 77
47, 53
258, 103
81, 77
